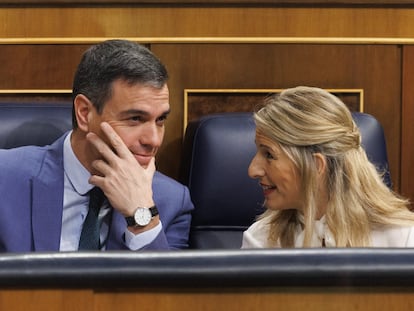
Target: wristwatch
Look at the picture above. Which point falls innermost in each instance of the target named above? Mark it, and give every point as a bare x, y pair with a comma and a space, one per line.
142, 216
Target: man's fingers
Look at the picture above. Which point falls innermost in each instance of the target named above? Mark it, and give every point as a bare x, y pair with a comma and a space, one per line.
98, 143
151, 166
115, 141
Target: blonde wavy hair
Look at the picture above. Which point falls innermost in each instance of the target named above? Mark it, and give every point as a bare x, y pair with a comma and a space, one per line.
306, 120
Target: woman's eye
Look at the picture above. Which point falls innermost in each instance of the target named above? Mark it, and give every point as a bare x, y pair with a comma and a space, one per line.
269, 155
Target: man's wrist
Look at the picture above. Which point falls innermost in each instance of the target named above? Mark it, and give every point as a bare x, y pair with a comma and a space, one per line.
139, 229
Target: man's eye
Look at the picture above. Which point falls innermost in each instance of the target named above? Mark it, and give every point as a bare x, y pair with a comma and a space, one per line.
161, 120
136, 118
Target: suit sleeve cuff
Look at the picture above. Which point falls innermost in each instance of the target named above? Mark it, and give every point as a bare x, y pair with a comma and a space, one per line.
136, 242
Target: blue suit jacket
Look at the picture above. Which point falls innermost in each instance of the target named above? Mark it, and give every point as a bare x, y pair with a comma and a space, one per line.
31, 203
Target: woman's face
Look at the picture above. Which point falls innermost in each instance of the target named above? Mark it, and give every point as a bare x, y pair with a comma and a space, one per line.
277, 175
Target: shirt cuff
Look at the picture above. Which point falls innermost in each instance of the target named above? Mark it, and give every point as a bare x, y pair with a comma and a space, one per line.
138, 241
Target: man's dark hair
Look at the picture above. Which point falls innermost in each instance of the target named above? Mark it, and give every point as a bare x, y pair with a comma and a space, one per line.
111, 60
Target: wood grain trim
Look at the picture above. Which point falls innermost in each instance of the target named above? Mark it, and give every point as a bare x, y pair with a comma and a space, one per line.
407, 126
35, 91
232, 40
273, 3
189, 92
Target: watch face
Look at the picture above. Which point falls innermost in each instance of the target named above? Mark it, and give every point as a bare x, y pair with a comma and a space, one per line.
142, 216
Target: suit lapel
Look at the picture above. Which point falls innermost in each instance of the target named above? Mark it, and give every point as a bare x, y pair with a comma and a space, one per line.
47, 216
47, 194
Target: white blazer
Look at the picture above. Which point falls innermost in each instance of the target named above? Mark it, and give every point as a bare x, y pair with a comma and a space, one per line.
389, 236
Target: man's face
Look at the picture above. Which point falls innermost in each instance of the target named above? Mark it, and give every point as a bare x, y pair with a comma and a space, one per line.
137, 113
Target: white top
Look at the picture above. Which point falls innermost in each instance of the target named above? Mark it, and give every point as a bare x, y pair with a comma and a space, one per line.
390, 236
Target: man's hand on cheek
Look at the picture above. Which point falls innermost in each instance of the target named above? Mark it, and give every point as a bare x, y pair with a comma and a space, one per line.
126, 184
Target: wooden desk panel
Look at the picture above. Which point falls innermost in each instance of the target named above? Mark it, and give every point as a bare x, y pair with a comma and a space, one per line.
215, 299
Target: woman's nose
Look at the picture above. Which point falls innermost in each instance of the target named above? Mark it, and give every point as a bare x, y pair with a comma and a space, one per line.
255, 171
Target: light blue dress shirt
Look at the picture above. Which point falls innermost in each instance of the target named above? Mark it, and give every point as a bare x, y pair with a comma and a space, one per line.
75, 207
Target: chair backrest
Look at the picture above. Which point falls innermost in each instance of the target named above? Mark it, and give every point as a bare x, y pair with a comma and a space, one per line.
373, 142
217, 150
33, 123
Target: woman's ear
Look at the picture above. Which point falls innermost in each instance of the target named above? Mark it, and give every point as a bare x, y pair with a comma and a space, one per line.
320, 161
83, 107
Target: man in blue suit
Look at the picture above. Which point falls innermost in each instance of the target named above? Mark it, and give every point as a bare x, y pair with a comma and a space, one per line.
120, 104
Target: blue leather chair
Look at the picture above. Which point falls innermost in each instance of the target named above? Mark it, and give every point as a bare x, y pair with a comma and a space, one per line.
217, 150
373, 141
33, 123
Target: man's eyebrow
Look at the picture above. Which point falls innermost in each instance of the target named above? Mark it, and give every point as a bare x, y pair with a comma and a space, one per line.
166, 113
132, 112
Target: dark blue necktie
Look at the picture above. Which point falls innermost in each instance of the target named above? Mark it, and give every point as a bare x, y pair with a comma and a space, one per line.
89, 239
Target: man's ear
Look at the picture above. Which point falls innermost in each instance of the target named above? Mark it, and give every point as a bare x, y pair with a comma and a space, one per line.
320, 161
83, 106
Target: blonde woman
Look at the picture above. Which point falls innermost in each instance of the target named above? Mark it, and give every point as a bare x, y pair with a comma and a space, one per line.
320, 188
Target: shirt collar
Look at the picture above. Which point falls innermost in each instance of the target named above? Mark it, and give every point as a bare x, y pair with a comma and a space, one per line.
76, 173
321, 233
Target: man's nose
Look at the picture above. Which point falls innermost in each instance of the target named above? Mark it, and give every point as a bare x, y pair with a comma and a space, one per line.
152, 135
